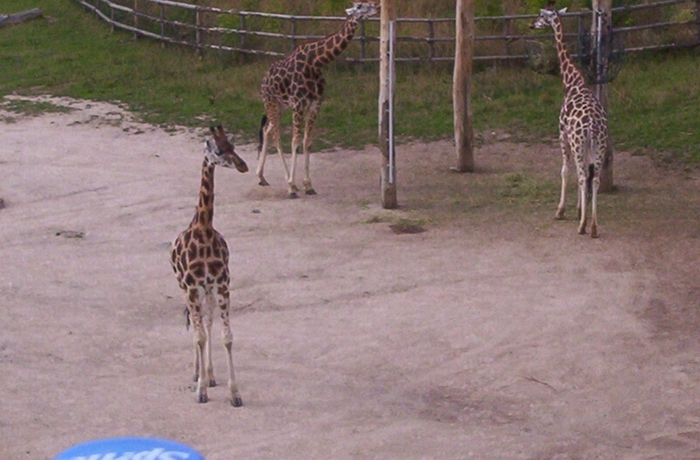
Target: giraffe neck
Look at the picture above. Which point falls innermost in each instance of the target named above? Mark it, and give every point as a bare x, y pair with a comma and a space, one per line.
569, 72
204, 216
329, 48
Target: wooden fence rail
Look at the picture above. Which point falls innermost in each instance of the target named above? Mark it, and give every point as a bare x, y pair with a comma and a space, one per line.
670, 24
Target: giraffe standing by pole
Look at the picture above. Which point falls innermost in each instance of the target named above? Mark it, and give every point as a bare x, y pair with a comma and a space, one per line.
296, 82
199, 257
583, 126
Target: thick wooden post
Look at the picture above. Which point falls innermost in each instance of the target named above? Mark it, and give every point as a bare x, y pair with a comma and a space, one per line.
388, 170
462, 85
697, 22
606, 174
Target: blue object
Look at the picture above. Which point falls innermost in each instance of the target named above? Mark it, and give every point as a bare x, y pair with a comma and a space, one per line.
130, 449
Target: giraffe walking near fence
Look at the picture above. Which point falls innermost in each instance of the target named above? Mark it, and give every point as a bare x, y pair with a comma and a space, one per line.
583, 126
199, 257
296, 82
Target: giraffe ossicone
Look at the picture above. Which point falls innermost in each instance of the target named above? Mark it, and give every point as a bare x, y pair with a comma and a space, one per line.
199, 257
583, 127
296, 82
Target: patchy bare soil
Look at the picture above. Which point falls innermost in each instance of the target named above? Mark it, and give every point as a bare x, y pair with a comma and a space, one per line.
496, 333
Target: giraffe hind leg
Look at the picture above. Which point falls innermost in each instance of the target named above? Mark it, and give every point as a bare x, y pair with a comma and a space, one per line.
582, 198
298, 121
565, 155
210, 380
595, 184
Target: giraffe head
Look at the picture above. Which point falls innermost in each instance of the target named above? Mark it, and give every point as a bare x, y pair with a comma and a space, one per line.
362, 10
221, 151
546, 17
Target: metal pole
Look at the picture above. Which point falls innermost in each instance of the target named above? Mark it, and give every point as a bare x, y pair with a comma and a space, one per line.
599, 51
387, 172
392, 35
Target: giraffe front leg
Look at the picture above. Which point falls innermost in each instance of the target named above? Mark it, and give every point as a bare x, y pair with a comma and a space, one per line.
266, 131
210, 380
278, 145
298, 120
224, 306
200, 340
310, 121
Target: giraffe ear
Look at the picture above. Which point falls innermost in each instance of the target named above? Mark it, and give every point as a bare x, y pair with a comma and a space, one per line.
562, 11
207, 146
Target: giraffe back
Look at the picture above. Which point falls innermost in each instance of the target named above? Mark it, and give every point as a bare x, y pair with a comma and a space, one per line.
584, 121
292, 82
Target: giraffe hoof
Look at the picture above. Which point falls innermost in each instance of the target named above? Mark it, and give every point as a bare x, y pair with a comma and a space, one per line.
202, 398
559, 215
311, 192
236, 401
293, 195
212, 383
263, 183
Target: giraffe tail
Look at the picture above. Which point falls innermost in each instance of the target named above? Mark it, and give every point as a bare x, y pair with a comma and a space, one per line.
263, 122
588, 157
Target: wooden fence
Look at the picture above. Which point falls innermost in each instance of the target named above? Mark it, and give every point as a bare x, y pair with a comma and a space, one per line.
653, 26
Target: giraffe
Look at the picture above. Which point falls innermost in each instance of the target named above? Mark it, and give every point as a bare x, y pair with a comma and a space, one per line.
199, 257
296, 82
583, 126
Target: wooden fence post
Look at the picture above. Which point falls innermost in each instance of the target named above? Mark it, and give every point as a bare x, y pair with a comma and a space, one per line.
431, 43
363, 40
111, 17
462, 86
506, 33
162, 24
136, 18
243, 31
198, 32
388, 169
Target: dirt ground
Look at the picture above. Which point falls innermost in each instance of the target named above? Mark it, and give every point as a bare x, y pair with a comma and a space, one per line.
477, 338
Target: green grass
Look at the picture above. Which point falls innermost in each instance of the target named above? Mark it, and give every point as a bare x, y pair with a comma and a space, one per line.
654, 106
33, 108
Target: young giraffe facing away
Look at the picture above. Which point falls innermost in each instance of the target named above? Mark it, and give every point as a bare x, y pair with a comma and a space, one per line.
296, 82
583, 126
199, 257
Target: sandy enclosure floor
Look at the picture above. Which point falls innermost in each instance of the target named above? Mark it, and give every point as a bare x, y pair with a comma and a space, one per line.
350, 341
